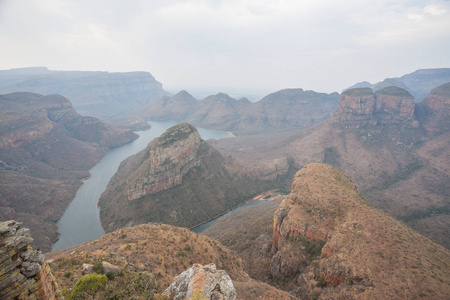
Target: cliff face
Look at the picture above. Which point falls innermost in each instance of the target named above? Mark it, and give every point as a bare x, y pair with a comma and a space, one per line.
100, 94
360, 107
182, 180
169, 159
280, 111
331, 243
23, 273
46, 148
435, 110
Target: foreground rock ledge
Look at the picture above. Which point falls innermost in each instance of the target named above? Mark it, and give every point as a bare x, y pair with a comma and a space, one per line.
205, 280
23, 275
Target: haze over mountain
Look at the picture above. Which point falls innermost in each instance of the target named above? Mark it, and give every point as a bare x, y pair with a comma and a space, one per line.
418, 83
399, 163
46, 148
280, 111
99, 94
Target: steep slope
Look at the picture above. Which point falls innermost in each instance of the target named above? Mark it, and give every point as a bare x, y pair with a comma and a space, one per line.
280, 111
326, 242
180, 179
364, 254
249, 233
418, 83
398, 167
100, 94
46, 148
151, 256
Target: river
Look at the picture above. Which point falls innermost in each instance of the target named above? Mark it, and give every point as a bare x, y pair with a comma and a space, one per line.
80, 222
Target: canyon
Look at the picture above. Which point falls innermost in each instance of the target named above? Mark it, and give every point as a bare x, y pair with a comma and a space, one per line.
180, 179
46, 148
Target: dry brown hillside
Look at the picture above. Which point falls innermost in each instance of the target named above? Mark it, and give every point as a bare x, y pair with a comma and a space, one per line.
156, 252
329, 243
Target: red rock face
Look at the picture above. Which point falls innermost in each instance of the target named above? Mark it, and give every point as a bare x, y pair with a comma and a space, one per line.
394, 105
23, 136
167, 164
356, 104
437, 109
360, 107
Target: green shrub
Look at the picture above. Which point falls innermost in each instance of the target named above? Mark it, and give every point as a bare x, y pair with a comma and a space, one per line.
110, 275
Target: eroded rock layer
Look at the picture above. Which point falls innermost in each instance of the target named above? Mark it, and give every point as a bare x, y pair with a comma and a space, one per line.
23, 274
361, 107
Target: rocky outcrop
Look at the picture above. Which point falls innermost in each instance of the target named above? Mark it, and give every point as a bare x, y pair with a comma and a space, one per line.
435, 110
170, 157
204, 281
329, 242
100, 94
23, 274
46, 148
361, 107
280, 111
182, 180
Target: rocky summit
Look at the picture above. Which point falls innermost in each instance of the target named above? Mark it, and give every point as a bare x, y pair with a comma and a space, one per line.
361, 107
333, 245
182, 180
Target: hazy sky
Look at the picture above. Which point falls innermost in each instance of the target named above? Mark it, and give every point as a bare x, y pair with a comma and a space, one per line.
323, 45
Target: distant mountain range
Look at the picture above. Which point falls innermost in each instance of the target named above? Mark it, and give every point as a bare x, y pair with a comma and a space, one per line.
399, 161
418, 83
99, 94
284, 110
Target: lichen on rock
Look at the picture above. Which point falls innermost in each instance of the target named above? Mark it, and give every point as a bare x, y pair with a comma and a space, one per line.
205, 280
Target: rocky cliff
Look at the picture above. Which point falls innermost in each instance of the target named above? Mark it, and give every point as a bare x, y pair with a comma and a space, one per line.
180, 179
100, 94
435, 110
46, 148
23, 273
361, 107
280, 111
361, 254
